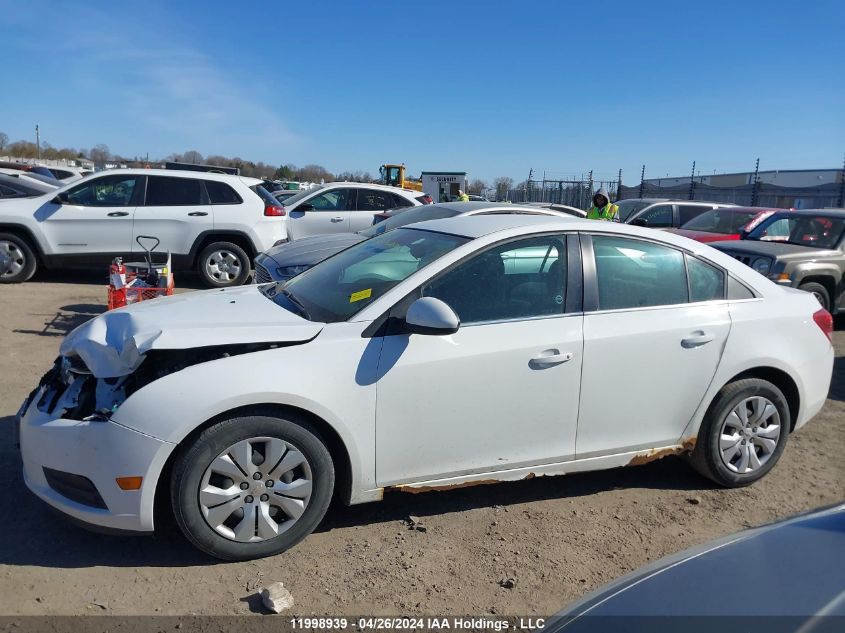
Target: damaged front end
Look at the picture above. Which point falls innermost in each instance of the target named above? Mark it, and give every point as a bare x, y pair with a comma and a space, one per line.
70, 390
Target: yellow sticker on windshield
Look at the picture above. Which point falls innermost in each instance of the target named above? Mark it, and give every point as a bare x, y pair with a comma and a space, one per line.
361, 294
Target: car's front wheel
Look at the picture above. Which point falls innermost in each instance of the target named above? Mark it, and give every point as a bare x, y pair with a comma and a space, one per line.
819, 292
252, 486
223, 264
743, 433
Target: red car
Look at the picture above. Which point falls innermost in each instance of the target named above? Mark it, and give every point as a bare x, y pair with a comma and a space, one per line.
724, 223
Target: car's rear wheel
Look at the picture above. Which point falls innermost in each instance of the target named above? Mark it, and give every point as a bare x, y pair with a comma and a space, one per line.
252, 486
819, 292
743, 433
22, 262
223, 264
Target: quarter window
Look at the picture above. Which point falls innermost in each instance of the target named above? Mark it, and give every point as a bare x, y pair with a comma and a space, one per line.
706, 282
163, 191
517, 280
400, 203
637, 274
107, 191
221, 193
687, 212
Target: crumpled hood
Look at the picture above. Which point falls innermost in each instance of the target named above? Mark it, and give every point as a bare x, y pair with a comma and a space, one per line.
309, 251
113, 344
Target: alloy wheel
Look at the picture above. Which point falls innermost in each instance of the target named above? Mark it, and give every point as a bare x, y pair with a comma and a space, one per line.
16, 255
749, 435
223, 265
256, 489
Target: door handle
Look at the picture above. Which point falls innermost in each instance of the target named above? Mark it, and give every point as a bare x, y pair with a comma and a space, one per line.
196, 213
118, 214
337, 219
549, 358
696, 340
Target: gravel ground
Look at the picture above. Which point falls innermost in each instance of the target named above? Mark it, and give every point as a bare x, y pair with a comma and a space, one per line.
557, 538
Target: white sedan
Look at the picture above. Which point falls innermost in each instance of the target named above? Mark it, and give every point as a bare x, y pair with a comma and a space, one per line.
442, 354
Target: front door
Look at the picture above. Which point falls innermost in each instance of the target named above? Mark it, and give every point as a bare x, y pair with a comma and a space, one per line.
500, 393
96, 219
175, 210
327, 212
652, 346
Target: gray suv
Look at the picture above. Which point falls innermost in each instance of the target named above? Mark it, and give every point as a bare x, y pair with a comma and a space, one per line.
662, 213
804, 249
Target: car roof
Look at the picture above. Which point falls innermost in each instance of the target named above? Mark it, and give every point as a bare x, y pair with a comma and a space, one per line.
372, 185
182, 173
475, 226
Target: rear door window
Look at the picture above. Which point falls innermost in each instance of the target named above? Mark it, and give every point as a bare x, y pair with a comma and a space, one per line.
399, 202
687, 212
375, 200
164, 191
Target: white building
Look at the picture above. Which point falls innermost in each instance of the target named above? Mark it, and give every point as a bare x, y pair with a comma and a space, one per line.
443, 186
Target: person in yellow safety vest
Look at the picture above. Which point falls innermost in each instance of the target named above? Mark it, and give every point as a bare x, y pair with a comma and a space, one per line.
602, 208
462, 197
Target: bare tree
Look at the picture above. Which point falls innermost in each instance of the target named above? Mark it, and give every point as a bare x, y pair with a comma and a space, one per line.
192, 156
477, 187
99, 154
4, 140
503, 184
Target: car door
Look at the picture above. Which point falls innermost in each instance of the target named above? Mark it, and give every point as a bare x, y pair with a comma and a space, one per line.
653, 339
175, 210
94, 218
327, 212
500, 393
370, 202
687, 212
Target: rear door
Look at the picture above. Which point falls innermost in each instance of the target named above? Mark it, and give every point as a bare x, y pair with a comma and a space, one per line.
97, 218
655, 324
327, 212
687, 212
176, 210
370, 202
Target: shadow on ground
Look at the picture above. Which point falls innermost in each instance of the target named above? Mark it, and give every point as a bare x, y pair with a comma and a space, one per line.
35, 535
65, 319
183, 279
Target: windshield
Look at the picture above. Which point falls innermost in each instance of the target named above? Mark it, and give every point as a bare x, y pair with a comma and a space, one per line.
627, 207
302, 194
723, 221
341, 286
417, 214
817, 231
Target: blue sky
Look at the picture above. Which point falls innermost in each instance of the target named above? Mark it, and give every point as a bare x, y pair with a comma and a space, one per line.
492, 88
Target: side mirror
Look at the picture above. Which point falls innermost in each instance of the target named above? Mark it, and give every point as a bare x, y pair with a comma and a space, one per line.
431, 316
640, 222
305, 207
61, 198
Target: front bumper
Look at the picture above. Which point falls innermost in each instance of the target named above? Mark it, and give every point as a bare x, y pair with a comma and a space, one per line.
99, 452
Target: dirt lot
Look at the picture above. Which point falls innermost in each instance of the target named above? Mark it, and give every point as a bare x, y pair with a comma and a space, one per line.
558, 537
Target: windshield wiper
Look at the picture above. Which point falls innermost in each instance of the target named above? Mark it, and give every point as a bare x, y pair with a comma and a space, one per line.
296, 302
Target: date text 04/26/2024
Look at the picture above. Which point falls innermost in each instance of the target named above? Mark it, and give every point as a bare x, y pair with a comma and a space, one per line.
416, 623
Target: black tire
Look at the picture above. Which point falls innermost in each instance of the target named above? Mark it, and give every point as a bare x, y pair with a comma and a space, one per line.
707, 457
233, 275
819, 291
22, 256
193, 460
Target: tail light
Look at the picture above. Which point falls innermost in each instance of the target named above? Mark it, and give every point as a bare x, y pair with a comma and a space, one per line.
425, 199
824, 320
274, 210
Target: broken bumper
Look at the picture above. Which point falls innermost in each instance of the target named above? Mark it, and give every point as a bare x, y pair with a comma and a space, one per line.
72, 465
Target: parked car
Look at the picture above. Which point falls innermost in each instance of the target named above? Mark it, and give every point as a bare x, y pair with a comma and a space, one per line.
660, 213
213, 223
283, 194
287, 260
723, 223
475, 198
35, 169
21, 187
804, 553
69, 174
481, 346
802, 249
31, 177
564, 208
344, 207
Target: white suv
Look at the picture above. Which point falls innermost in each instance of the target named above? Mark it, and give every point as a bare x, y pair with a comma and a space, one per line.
344, 207
215, 223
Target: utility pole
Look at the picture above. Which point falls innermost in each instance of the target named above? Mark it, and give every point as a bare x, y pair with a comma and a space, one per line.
841, 202
38, 141
528, 185
755, 183
692, 183
618, 185
642, 181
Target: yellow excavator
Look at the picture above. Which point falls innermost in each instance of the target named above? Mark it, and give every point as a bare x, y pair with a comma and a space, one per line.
394, 175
